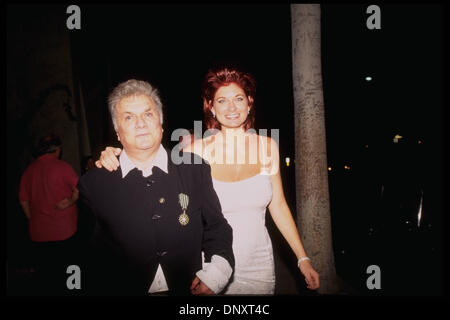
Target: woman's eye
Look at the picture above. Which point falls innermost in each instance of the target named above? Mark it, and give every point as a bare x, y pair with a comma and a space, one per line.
127, 117
221, 100
240, 99
149, 114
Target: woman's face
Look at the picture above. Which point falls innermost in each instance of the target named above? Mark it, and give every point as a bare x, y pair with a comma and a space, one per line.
231, 106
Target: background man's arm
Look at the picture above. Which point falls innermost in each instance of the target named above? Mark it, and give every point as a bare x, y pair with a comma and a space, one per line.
67, 202
26, 208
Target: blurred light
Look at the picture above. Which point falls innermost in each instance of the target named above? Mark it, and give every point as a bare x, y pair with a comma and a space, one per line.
288, 160
330, 168
366, 146
419, 215
368, 78
407, 222
343, 251
419, 142
397, 137
347, 167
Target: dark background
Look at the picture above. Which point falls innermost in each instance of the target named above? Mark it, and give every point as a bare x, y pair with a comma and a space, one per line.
374, 205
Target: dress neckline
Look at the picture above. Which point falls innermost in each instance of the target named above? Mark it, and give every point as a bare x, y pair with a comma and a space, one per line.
246, 179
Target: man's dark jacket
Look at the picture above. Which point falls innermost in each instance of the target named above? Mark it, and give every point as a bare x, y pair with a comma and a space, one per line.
137, 227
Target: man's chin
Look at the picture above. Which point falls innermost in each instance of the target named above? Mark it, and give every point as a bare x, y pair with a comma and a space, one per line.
148, 146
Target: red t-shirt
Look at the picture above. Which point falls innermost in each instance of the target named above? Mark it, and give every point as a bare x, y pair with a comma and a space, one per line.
44, 183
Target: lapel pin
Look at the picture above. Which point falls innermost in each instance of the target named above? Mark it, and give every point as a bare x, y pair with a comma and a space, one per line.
183, 199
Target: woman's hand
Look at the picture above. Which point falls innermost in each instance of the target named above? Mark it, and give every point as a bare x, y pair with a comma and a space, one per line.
311, 276
108, 159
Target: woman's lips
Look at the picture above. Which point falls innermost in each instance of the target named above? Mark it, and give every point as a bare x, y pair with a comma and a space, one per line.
232, 116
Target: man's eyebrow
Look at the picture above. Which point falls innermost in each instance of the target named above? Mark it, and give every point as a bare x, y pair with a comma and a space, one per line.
129, 112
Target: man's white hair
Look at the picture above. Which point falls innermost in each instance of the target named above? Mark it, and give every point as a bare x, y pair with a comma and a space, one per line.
129, 88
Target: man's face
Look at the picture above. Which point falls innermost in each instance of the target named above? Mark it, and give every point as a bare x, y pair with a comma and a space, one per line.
138, 124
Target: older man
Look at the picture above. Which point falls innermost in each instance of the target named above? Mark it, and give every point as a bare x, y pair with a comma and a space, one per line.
154, 218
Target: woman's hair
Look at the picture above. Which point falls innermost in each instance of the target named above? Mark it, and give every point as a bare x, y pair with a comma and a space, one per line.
222, 77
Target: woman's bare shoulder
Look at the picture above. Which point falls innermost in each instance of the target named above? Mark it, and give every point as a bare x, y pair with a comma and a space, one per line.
265, 142
268, 153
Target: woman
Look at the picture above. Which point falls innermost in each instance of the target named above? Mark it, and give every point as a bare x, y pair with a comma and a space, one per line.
246, 178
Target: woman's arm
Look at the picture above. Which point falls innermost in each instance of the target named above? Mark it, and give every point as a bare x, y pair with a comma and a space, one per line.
67, 202
282, 216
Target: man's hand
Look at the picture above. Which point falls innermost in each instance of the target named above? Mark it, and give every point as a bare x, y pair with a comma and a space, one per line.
198, 288
63, 204
66, 202
108, 159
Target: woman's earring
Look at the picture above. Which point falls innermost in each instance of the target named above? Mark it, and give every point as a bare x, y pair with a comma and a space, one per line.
248, 111
214, 114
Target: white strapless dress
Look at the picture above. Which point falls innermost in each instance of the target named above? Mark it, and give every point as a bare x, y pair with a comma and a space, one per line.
244, 206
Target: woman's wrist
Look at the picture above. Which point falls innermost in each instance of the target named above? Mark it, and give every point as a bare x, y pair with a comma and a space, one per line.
305, 258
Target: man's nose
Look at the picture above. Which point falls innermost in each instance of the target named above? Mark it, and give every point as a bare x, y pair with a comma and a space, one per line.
140, 123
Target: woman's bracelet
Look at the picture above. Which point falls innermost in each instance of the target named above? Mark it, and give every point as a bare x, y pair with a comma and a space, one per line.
301, 260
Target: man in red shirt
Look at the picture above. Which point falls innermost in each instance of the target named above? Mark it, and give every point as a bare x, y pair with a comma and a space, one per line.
48, 195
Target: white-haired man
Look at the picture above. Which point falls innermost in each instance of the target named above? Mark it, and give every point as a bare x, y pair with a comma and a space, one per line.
153, 217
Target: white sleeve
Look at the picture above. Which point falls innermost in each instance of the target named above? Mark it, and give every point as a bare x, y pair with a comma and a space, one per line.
215, 275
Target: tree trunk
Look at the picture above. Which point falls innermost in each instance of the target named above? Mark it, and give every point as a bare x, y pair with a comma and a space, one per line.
311, 172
